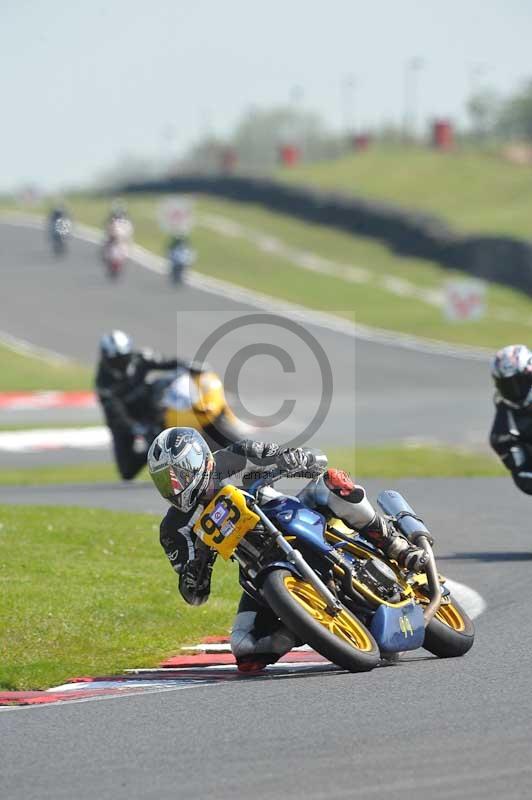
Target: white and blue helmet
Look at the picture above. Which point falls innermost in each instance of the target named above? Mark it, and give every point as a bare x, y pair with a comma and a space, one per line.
116, 349
511, 369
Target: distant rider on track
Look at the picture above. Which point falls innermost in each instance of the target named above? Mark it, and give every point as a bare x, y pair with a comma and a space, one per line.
511, 433
188, 475
125, 398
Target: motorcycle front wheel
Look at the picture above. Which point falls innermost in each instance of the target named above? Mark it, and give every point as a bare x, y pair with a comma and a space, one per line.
341, 638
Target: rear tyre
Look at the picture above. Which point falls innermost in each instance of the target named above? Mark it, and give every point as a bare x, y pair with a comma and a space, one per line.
343, 639
450, 633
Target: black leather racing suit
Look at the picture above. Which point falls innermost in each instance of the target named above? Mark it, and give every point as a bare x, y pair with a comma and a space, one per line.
188, 556
256, 628
511, 438
125, 400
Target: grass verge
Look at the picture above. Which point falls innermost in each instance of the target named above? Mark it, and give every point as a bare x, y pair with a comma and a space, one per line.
390, 461
88, 592
88, 472
21, 372
474, 190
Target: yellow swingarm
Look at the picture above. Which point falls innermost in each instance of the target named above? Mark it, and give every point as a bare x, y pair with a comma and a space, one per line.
225, 521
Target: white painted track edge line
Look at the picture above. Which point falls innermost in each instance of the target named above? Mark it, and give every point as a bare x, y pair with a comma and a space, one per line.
473, 602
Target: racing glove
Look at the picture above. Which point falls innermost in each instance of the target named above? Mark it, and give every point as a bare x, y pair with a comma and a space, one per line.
197, 367
195, 579
294, 458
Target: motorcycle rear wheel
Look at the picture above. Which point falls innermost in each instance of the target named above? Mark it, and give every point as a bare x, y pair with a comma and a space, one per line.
450, 633
342, 638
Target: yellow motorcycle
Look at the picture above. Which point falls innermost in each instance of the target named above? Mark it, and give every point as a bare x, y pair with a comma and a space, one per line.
198, 400
331, 587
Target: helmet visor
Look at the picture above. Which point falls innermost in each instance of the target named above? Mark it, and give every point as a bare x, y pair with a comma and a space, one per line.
189, 467
183, 481
514, 389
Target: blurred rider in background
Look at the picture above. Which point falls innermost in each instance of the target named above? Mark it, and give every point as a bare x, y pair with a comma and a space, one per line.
59, 211
188, 475
118, 225
124, 395
511, 433
180, 255
59, 225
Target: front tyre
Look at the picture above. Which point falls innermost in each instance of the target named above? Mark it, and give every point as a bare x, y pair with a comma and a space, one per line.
450, 633
342, 638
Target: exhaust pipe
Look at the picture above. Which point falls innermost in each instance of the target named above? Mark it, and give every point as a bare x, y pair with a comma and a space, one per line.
394, 505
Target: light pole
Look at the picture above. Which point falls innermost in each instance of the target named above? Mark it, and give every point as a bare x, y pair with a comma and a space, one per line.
299, 133
412, 69
348, 89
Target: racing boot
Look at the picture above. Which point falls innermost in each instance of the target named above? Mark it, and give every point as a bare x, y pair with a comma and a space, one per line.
382, 533
336, 490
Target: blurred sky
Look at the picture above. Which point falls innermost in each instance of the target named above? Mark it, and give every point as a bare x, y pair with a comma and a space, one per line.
84, 83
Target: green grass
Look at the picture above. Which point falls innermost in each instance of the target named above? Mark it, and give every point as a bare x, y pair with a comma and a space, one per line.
88, 592
88, 472
389, 461
20, 372
394, 461
241, 262
13, 427
472, 190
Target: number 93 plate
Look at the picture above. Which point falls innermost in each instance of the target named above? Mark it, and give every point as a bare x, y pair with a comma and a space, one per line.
225, 521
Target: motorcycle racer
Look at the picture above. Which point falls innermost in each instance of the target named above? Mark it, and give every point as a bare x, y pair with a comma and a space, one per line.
511, 432
188, 475
118, 224
59, 225
124, 395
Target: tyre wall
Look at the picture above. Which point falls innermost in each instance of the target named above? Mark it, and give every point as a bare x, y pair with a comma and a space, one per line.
501, 259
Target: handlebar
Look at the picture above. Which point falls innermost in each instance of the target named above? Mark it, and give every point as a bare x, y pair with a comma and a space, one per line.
274, 474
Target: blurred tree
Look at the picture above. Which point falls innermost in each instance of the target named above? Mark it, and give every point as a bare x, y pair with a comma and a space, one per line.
128, 168
515, 118
261, 132
259, 135
484, 108
204, 156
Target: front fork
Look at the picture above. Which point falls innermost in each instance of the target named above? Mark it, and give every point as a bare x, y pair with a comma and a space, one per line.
295, 558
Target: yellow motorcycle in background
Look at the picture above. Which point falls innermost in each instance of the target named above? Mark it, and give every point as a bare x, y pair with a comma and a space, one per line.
198, 400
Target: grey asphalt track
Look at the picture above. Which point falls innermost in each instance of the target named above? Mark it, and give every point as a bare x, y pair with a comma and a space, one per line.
457, 728
399, 394
441, 729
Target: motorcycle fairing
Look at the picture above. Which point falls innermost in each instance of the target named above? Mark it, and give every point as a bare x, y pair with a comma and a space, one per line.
206, 403
295, 519
398, 629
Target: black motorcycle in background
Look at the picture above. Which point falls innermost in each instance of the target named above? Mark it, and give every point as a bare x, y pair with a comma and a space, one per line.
59, 228
181, 256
